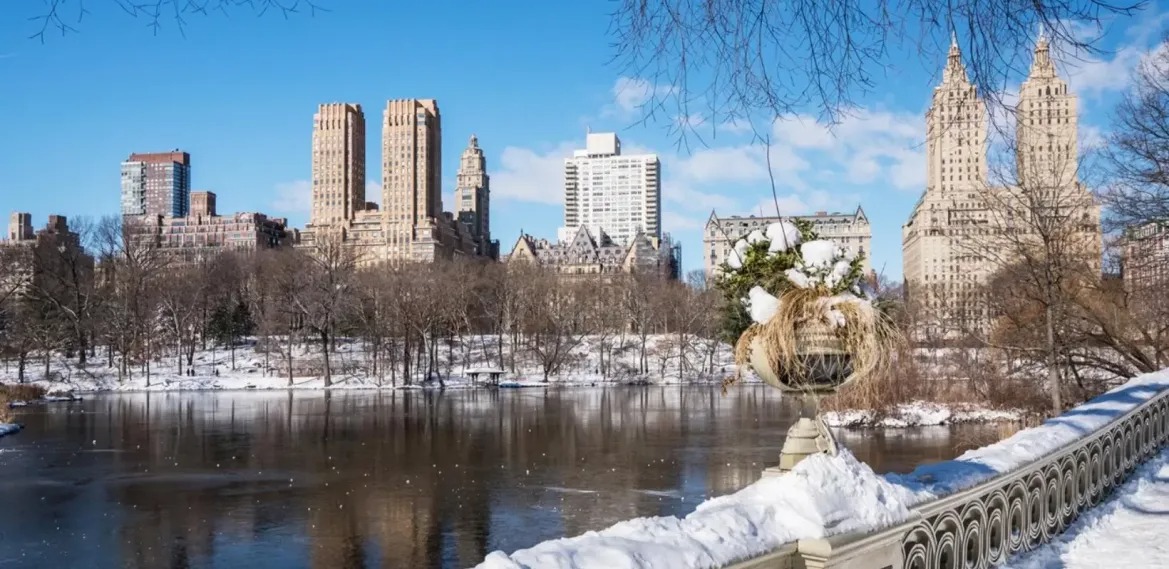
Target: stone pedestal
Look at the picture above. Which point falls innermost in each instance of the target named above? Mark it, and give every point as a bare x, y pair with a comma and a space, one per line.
807, 437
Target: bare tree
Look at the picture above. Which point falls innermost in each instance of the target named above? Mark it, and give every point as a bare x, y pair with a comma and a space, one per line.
731, 60
1040, 234
281, 279
329, 269
63, 281
130, 262
1137, 152
554, 322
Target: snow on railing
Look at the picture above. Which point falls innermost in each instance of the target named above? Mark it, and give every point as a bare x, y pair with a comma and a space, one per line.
1008, 497
972, 511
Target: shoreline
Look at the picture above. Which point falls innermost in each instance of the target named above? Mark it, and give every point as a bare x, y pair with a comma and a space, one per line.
910, 415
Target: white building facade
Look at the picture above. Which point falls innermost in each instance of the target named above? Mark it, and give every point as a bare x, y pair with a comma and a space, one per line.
611, 193
849, 230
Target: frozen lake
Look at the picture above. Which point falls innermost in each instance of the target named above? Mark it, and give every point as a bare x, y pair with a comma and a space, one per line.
385, 479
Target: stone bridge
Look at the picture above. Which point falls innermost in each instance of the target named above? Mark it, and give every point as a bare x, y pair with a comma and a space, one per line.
1010, 512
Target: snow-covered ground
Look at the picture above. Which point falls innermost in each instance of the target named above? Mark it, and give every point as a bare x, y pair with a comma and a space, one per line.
823, 496
919, 414
352, 369
1128, 530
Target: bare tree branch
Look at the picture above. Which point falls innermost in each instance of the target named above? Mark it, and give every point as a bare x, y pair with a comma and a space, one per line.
66, 16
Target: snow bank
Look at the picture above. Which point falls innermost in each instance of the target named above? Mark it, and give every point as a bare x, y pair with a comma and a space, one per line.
918, 414
823, 496
8, 428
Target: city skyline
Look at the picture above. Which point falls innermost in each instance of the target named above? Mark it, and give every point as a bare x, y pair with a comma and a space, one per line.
256, 156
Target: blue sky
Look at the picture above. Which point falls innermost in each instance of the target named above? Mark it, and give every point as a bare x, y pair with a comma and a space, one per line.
238, 92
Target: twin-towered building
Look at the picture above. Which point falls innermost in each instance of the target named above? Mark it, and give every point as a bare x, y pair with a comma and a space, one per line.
948, 244
409, 224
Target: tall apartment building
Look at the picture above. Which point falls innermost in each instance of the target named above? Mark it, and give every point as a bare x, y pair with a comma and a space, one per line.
20, 226
338, 190
157, 183
409, 224
850, 230
1146, 260
473, 197
608, 192
412, 163
945, 240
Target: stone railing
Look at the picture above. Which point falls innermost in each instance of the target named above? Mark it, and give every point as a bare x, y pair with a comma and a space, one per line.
1008, 514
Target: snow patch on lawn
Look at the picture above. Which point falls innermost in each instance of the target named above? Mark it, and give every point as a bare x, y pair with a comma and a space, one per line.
918, 414
8, 428
823, 496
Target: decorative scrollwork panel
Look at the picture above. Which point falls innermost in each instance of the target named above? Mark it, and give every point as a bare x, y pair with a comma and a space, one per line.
1027, 508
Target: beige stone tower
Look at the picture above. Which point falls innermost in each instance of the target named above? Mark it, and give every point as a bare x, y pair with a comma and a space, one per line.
941, 274
412, 161
1046, 127
1047, 156
473, 194
338, 190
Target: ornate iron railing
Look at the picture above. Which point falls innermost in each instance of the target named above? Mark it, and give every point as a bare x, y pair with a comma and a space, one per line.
1014, 512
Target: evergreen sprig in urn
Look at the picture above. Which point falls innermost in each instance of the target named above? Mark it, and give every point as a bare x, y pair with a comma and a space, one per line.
804, 320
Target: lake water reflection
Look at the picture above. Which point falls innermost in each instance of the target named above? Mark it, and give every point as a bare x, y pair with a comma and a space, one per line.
383, 479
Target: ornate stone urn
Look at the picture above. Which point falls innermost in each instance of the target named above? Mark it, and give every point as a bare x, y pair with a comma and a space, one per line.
813, 329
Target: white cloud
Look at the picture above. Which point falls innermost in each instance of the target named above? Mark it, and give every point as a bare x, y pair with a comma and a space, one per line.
721, 164
736, 126
694, 200
293, 197
865, 147
673, 222
531, 176
631, 94
1096, 74
801, 131
806, 203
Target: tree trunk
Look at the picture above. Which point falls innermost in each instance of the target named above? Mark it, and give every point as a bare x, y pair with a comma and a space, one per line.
21, 360
82, 345
290, 342
1052, 364
328, 369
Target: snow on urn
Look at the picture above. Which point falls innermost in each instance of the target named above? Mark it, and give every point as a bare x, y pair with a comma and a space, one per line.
806, 322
